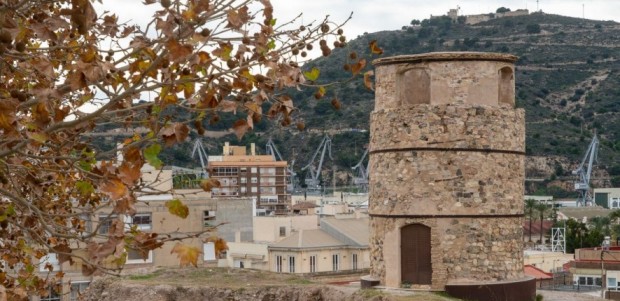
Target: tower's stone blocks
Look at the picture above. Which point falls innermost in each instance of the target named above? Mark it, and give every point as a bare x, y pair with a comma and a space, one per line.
447, 150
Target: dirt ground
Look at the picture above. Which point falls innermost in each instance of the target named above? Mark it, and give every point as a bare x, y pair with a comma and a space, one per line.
239, 283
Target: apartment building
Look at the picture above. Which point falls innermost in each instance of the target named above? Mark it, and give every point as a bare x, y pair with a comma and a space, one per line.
246, 174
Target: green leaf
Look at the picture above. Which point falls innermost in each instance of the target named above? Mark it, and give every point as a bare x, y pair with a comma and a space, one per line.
271, 44
84, 187
313, 74
273, 22
85, 165
177, 208
150, 154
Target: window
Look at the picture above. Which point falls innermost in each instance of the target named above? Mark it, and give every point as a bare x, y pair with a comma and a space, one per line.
208, 250
589, 281
312, 264
134, 257
243, 180
208, 216
253, 170
612, 282
52, 295
77, 288
243, 189
335, 260
282, 231
105, 222
254, 180
354, 263
254, 189
506, 86
49, 261
279, 264
142, 221
291, 264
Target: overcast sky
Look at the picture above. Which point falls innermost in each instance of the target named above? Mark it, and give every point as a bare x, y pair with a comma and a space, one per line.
378, 15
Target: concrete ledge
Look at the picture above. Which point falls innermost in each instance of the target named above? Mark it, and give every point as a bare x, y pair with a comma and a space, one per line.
511, 290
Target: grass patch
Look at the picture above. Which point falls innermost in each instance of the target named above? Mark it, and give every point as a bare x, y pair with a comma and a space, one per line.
297, 280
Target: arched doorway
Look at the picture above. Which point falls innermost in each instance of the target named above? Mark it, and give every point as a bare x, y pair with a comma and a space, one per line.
415, 254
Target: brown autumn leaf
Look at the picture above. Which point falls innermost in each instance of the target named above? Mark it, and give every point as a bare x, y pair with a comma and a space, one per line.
240, 127
219, 245
374, 48
174, 133
129, 173
367, 81
357, 67
287, 103
209, 184
237, 18
114, 189
178, 52
187, 254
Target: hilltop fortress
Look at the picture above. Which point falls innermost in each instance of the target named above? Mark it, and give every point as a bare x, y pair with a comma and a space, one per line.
474, 19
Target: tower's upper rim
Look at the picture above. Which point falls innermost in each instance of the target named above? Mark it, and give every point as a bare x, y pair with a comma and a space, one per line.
446, 56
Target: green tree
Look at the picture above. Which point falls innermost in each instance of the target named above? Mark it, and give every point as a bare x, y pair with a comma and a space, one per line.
530, 204
502, 10
542, 209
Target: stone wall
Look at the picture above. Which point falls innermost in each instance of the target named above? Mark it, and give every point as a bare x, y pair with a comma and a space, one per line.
447, 151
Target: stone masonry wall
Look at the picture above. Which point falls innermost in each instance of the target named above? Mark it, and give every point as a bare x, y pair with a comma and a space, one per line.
447, 151
421, 180
464, 249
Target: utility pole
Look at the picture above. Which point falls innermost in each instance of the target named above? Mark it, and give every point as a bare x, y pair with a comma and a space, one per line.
537, 5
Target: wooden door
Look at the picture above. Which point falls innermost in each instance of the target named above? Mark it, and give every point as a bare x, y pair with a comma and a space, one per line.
415, 254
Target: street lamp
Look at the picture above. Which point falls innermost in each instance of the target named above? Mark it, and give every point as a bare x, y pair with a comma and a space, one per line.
605, 248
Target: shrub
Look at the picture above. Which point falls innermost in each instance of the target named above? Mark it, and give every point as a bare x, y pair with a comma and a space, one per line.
532, 28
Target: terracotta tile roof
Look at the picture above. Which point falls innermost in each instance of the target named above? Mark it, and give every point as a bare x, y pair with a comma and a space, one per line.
537, 273
547, 225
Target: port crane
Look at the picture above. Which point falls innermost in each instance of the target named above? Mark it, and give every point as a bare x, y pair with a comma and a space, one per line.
360, 179
272, 150
312, 177
202, 156
584, 172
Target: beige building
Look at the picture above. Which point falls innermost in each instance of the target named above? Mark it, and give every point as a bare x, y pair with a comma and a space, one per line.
547, 261
607, 197
339, 245
269, 229
235, 215
249, 175
595, 267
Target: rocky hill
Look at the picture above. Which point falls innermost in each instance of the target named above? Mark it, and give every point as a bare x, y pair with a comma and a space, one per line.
567, 80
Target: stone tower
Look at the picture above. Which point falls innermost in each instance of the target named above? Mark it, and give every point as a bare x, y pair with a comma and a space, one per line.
447, 149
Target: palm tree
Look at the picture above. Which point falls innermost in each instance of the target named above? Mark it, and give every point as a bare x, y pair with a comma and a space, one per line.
542, 209
529, 210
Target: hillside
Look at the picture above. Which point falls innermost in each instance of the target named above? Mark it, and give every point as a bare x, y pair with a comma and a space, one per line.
567, 80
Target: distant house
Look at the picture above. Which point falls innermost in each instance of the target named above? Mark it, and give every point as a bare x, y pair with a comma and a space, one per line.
339, 245
595, 267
